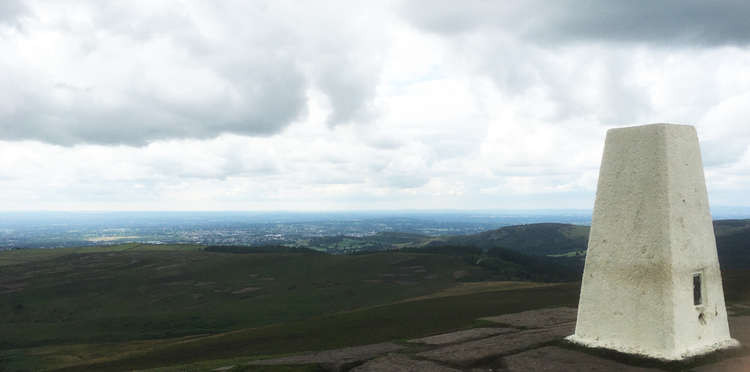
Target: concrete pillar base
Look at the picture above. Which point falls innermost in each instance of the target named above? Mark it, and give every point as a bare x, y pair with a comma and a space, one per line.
685, 355
652, 284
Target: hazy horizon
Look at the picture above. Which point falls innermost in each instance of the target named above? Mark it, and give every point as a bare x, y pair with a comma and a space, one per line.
714, 209
70, 229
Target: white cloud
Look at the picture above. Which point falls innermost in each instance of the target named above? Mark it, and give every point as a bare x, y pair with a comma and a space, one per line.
341, 105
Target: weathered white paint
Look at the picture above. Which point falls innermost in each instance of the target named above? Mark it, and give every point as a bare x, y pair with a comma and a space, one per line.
651, 232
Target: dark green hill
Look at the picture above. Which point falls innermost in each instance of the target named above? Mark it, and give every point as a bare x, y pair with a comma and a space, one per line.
733, 243
563, 240
541, 239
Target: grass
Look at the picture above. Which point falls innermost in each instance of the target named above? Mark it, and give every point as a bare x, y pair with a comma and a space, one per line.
77, 304
20, 256
178, 308
143, 294
402, 320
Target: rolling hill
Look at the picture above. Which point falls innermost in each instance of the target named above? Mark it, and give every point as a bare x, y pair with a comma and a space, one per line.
541, 239
733, 243
567, 241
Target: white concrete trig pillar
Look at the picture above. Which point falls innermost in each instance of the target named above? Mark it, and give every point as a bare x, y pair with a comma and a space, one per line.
652, 284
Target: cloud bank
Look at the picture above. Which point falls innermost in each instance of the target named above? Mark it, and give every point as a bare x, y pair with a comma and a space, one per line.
667, 23
356, 105
135, 72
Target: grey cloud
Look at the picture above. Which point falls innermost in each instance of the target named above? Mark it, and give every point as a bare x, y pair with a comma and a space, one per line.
267, 100
669, 22
348, 95
171, 78
11, 11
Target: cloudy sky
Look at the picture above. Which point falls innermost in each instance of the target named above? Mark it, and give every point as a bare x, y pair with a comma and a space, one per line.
341, 105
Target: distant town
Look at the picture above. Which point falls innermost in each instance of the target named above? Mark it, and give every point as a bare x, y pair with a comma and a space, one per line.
60, 229
69, 229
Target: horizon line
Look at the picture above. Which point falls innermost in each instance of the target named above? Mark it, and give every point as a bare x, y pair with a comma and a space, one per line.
333, 211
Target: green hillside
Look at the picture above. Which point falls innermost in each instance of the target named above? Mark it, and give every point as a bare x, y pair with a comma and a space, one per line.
563, 240
733, 243
539, 239
126, 306
125, 295
389, 321
110, 301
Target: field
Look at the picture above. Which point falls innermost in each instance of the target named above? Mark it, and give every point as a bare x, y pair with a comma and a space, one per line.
20, 256
194, 308
80, 305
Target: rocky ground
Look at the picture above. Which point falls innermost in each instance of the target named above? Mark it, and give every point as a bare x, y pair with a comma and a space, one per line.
527, 341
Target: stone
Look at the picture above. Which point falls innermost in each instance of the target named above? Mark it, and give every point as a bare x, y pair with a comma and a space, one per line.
553, 359
652, 283
401, 363
541, 318
474, 352
461, 336
336, 357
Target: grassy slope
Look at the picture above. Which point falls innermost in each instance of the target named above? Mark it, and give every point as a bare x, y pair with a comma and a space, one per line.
83, 304
564, 240
376, 324
733, 243
126, 295
534, 239
117, 294
13, 257
382, 323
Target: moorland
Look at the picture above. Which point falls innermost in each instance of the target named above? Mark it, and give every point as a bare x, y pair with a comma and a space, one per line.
195, 307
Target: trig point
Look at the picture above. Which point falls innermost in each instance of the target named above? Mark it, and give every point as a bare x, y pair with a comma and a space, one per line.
652, 283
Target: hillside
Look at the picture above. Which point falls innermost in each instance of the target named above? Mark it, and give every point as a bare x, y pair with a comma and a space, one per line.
155, 305
565, 243
733, 243
541, 239
139, 306
564, 240
109, 301
143, 292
